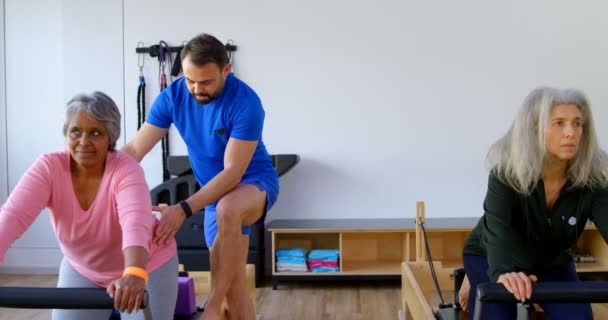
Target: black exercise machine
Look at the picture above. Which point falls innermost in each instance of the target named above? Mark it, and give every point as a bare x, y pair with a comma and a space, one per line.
543, 292
61, 298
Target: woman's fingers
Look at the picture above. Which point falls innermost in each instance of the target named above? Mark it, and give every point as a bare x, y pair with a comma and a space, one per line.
463, 299
528, 285
505, 281
118, 298
129, 293
111, 289
508, 280
525, 286
519, 284
133, 299
138, 299
463, 294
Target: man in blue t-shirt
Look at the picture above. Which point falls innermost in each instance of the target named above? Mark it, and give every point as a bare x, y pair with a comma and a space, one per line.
220, 119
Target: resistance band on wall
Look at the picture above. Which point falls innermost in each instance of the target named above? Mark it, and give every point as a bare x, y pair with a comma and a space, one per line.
141, 90
163, 56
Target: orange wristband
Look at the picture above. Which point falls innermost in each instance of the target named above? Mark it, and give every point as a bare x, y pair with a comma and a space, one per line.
138, 272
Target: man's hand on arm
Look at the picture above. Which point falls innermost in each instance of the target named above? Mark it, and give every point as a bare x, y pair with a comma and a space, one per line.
236, 160
171, 219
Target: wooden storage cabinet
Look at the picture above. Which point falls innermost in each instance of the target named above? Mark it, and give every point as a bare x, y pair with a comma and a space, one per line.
306, 240
373, 252
375, 248
369, 248
445, 245
592, 242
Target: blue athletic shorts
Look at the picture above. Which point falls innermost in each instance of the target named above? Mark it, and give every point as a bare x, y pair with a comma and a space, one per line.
268, 184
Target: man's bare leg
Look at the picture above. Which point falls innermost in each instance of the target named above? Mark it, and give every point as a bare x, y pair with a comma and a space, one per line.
244, 205
240, 305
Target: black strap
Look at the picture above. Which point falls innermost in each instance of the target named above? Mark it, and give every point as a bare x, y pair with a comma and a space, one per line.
165, 155
186, 207
177, 64
141, 102
163, 56
141, 89
433, 274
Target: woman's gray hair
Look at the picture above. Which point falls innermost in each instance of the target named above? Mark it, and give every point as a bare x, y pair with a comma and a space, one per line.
519, 156
101, 107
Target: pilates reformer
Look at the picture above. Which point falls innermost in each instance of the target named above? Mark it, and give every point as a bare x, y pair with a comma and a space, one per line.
61, 298
543, 292
420, 279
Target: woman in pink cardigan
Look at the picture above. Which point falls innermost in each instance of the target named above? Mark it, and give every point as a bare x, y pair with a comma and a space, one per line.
100, 209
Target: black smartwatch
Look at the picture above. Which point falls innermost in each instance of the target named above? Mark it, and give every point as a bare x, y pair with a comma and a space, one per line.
186, 208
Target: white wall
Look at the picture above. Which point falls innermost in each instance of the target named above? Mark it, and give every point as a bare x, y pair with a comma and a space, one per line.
92, 49
54, 50
33, 97
387, 102
3, 168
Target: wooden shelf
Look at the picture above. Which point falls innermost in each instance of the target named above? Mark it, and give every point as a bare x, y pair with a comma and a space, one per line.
373, 246
591, 267
452, 264
306, 274
308, 241
355, 268
372, 267
377, 247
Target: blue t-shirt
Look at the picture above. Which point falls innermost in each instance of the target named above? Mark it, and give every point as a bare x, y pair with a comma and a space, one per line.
237, 112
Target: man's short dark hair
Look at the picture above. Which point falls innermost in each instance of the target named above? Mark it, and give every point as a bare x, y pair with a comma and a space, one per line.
205, 48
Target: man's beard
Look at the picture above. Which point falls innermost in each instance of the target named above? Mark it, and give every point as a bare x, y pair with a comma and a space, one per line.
206, 98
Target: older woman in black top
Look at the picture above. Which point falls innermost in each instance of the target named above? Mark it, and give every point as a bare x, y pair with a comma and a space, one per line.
548, 177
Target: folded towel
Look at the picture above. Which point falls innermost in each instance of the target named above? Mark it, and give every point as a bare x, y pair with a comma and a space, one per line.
291, 252
292, 260
324, 269
291, 267
322, 263
324, 254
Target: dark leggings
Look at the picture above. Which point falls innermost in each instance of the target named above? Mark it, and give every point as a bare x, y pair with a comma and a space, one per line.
476, 269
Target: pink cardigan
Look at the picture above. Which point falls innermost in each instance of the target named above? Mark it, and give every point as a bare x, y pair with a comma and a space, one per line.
92, 240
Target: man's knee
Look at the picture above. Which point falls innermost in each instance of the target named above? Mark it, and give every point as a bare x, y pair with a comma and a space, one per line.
227, 214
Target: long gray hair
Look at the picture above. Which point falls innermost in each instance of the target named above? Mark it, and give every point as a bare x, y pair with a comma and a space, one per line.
101, 107
519, 156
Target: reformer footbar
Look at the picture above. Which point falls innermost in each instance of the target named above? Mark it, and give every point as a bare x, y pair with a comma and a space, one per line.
62, 298
542, 292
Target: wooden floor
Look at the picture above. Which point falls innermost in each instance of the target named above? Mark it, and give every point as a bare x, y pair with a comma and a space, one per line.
312, 300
